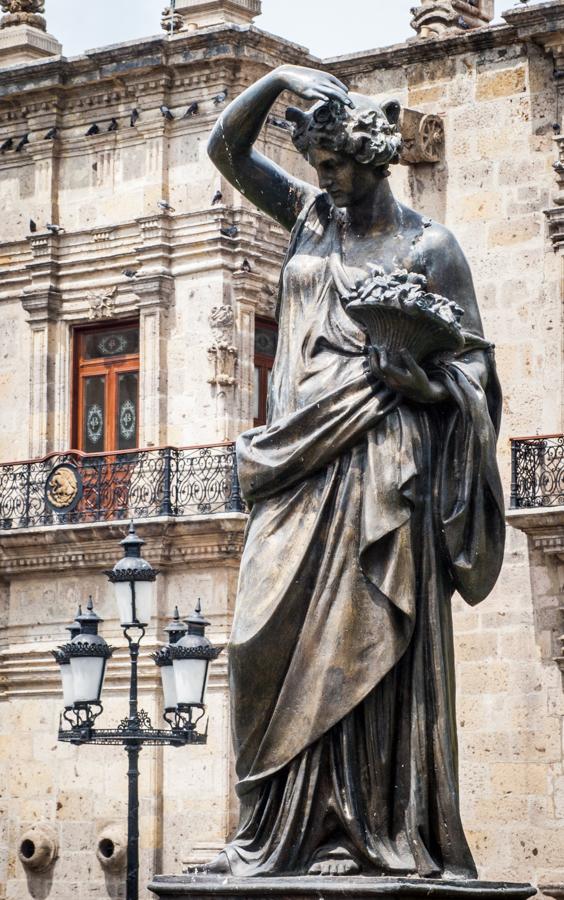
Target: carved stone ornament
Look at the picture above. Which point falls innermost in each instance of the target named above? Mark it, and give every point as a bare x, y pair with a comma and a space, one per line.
102, 303
172, 19
63, 488
23, 12
423, 137
222, 354
435, 17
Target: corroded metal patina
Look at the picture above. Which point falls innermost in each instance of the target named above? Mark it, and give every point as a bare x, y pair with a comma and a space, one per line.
375, 495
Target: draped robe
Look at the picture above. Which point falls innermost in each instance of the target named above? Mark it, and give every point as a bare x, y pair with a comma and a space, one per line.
367, 513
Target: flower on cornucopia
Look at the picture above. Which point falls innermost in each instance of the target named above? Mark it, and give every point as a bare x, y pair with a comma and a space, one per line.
407, 291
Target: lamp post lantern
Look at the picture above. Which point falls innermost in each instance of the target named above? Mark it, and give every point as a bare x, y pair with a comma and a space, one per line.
83, 660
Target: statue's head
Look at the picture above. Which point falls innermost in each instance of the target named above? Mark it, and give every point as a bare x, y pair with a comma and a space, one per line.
367, 133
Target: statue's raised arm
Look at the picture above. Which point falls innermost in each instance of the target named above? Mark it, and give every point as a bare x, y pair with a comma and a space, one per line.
231, 145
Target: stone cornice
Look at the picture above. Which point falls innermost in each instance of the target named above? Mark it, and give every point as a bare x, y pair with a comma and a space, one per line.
417, 50
543, 525
170, 542
536, 21
123, 64
127, 61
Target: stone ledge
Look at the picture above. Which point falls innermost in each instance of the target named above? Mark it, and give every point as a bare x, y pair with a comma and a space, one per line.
356, 888
170, 542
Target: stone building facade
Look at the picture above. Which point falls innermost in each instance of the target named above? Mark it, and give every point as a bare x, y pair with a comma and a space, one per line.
138, 195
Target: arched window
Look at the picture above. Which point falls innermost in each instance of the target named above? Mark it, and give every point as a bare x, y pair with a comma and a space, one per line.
266, 340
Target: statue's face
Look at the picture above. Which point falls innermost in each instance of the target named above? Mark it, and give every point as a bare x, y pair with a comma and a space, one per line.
345, 180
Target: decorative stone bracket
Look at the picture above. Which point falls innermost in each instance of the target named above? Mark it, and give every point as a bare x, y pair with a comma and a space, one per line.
423, 137
545, 529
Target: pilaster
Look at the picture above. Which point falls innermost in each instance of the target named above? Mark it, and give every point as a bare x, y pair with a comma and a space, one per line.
154, 295
43, 307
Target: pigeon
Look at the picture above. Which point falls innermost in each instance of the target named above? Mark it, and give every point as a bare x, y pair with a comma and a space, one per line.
51, 134
113, 125
220, 98
22, 143
54, 229
162, 204
192, 110
231, 231
166, 113
556, 128
130, 273
217, 198
93, 130
7, 145
462, 23
246, 267
133, 117
279, 123
32, 226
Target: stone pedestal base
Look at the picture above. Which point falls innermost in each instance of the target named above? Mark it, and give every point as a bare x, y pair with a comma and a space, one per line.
23, 43
198, 887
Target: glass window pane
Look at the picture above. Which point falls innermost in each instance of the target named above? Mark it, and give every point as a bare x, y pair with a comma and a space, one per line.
266, 339
126, 411
93, 437
104, 344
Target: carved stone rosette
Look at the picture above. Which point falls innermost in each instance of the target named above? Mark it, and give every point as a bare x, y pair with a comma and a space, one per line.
23, 12
436, 17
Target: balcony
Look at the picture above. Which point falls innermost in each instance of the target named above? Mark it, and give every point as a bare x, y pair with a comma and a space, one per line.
71, 487
537, 471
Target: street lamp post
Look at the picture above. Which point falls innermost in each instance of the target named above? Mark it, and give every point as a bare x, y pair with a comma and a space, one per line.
183, 663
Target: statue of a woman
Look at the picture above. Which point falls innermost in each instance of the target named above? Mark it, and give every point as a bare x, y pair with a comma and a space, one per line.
375, 495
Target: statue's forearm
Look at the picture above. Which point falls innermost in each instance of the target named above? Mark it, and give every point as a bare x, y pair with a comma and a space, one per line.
239, 126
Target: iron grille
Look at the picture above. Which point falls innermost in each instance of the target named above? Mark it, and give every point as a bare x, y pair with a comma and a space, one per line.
168, 481
537, 471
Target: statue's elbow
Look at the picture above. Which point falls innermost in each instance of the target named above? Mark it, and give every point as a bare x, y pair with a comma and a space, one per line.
216, 145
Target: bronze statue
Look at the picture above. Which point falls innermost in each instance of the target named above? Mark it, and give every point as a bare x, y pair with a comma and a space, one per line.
375, 495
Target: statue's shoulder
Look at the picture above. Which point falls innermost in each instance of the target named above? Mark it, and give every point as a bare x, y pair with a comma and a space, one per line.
430, 236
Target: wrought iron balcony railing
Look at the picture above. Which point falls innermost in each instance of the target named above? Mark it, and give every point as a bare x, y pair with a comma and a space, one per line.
537, 471
74, 487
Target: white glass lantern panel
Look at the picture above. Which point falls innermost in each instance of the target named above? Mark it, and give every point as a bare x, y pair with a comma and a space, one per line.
88, 676
144, 592
169, 687
190, 678
68, 684
144, 595
123, 600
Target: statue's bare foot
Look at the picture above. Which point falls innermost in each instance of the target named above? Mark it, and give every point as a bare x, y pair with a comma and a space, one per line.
334, 861
218, 866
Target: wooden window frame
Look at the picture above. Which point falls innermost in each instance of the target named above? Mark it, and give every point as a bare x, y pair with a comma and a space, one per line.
111, 367
265, 364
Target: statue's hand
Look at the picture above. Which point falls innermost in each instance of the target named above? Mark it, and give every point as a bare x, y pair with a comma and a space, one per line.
410, 380
312, 84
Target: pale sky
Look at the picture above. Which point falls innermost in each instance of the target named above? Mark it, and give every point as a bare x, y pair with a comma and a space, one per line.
326, 27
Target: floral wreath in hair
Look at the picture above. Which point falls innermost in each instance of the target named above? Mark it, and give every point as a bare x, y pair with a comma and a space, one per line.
368, 134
